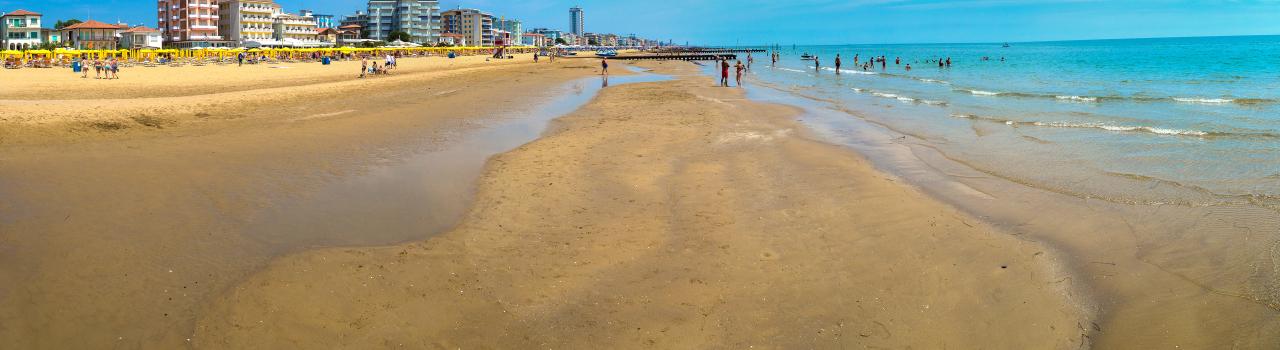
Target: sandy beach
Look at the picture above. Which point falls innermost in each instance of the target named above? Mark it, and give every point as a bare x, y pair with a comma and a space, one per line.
670, 215
665, 214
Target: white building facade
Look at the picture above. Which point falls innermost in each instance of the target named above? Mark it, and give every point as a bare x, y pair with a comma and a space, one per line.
20, 30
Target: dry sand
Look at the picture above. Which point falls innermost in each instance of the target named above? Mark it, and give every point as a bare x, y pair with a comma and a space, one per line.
671, 215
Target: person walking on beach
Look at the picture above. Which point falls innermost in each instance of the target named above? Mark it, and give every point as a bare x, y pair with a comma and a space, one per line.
113, 67
604, 67
837, 64
240, 59
84, 68
364, 66
740, 68
97, 69
724, 72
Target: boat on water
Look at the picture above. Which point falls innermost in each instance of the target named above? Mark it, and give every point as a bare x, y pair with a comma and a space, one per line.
1006, 44
807, 57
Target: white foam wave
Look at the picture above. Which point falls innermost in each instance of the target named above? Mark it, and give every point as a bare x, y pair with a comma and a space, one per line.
1078, 98
881, 94
982, 93
935, 81
933, 103
791, 70
1210, 101
1125, 128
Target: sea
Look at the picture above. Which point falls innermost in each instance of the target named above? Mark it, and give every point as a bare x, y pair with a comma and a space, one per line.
1150, 168
1199, 116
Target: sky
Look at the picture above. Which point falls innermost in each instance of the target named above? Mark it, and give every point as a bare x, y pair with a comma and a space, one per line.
785, 22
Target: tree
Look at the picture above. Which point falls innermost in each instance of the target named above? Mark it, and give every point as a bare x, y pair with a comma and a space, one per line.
400, 35
66, 23
593, 42
561, 41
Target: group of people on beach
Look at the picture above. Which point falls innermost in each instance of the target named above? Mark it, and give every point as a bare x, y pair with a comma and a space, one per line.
103, 69
388, 63
739, 68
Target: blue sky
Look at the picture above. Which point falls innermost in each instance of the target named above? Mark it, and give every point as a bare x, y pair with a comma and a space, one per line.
728, 22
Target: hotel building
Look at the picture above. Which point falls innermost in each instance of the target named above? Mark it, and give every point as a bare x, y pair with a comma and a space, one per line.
20, 30
190, 23
292, 30
510, 31
419, 18
575, 21
248, 22
475, 26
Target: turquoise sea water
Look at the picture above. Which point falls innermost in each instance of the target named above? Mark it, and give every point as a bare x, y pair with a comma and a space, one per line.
1189, 121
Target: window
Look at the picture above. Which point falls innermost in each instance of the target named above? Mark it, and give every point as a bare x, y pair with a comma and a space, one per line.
35, 22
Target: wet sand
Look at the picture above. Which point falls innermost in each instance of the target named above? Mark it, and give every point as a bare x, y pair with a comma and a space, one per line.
1162, 275
672, 215
118, 237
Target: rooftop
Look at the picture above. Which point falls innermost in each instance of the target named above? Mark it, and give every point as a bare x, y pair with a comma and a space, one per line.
21, 12
91, 24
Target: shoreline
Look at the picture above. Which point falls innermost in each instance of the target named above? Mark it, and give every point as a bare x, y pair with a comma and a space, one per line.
606, 252
1142, 263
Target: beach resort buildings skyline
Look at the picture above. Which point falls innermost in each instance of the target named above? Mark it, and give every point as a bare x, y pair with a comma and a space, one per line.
266, 23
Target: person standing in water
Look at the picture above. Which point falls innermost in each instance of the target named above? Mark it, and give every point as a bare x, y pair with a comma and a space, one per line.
837, 64
724, 72
740, 68
817, 63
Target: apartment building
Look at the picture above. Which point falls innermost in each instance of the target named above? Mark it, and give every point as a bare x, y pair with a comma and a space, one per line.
141, 37
474, 25
510, 31
93, 35
190, 23
421, 19
248, 22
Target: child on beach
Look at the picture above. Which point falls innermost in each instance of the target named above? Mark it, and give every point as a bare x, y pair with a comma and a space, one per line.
604, 67
364, 66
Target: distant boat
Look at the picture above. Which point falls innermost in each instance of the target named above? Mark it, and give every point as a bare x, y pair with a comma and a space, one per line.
1006, 44
807, 57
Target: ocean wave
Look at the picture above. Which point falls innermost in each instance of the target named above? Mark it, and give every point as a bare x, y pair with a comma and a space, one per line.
1078, 98
1207, 101
979, 92
1117, 128
935, 81
792, 70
